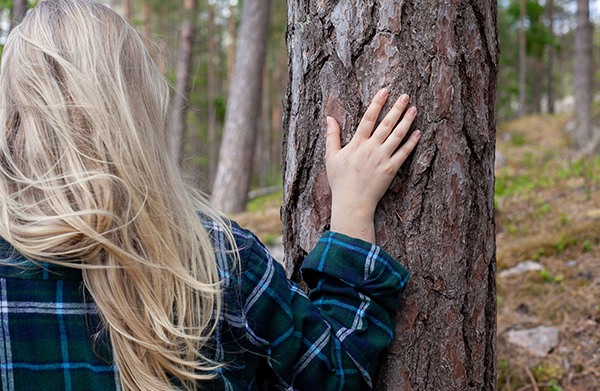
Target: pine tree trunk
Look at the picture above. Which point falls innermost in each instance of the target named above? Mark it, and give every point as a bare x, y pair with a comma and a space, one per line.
537, 87
18, 12
583, 75
263, 136
522, 59
438, 216
212, 96
184, 63
147, 22
550, 91
234, 171
231, 44
128, 9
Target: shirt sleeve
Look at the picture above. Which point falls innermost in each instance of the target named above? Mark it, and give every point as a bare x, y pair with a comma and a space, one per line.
331, 339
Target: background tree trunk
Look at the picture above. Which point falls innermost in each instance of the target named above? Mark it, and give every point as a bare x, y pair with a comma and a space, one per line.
234, 171
550, 91
147, 22
537, 86
184, 63
18, 12
583, 74
438, 216
231, 44
522, 59
128, 9
212, 96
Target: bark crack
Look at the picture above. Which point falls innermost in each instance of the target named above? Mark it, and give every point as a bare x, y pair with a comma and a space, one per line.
427, 173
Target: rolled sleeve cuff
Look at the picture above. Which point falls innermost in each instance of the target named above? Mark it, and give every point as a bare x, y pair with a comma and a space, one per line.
359, 264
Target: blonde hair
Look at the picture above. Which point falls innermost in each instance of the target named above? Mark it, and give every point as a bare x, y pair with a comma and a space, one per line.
86, 182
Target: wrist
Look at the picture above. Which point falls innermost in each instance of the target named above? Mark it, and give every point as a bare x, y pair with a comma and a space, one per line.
355, 223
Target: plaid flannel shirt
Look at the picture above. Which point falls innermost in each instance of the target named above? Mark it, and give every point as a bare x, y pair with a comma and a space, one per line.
270, 334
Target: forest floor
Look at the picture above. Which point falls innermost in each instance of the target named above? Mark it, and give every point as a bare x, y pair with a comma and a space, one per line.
547, 211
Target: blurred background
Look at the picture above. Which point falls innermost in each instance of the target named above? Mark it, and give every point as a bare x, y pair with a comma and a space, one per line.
547, 161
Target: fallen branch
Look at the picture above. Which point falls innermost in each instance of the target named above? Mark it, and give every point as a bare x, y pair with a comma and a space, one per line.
533, 383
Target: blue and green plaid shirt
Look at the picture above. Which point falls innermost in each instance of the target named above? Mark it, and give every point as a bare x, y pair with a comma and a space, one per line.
270, 334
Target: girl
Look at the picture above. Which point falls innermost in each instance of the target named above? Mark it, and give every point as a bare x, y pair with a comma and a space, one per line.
116, 275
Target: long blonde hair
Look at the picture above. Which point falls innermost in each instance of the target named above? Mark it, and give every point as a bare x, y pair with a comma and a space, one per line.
86, 182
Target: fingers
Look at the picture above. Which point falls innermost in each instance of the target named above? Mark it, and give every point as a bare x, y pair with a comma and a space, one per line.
368, 120
400, 156
392, 117
397, 135
333, 142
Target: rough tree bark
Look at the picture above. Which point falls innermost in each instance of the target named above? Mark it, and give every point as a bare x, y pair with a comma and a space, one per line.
234, 171
522, 58
182, 72
583, 75
438, 216
18, 12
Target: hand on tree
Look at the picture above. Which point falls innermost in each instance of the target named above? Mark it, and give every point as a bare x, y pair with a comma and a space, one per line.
360, 173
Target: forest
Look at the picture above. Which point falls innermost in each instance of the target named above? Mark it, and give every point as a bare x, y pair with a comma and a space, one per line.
252, 81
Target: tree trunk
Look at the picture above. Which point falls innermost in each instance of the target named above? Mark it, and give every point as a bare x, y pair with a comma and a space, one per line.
231, 44
128, 9
234, 171
583, 75
522, 59
263, 135
18, 12
212, 96
550, 91
163, 43
537, 86
182, 72
438, 216
147, 22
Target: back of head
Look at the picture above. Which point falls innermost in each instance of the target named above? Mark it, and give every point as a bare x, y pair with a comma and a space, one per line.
85, 181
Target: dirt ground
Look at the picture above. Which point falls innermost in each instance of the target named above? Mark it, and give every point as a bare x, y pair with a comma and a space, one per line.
548, 211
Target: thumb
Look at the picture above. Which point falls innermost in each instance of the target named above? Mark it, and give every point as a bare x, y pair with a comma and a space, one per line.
333, 142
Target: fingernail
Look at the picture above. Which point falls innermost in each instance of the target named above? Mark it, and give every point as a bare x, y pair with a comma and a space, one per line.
404, 98
418, 134
329, 121
383, 93
413, 110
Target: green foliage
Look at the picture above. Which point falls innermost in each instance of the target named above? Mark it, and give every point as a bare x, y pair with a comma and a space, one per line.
518, 139
260, 203
543, 210
269, 239
538, 253
543, 172
587, 245
546, 276
564, 220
